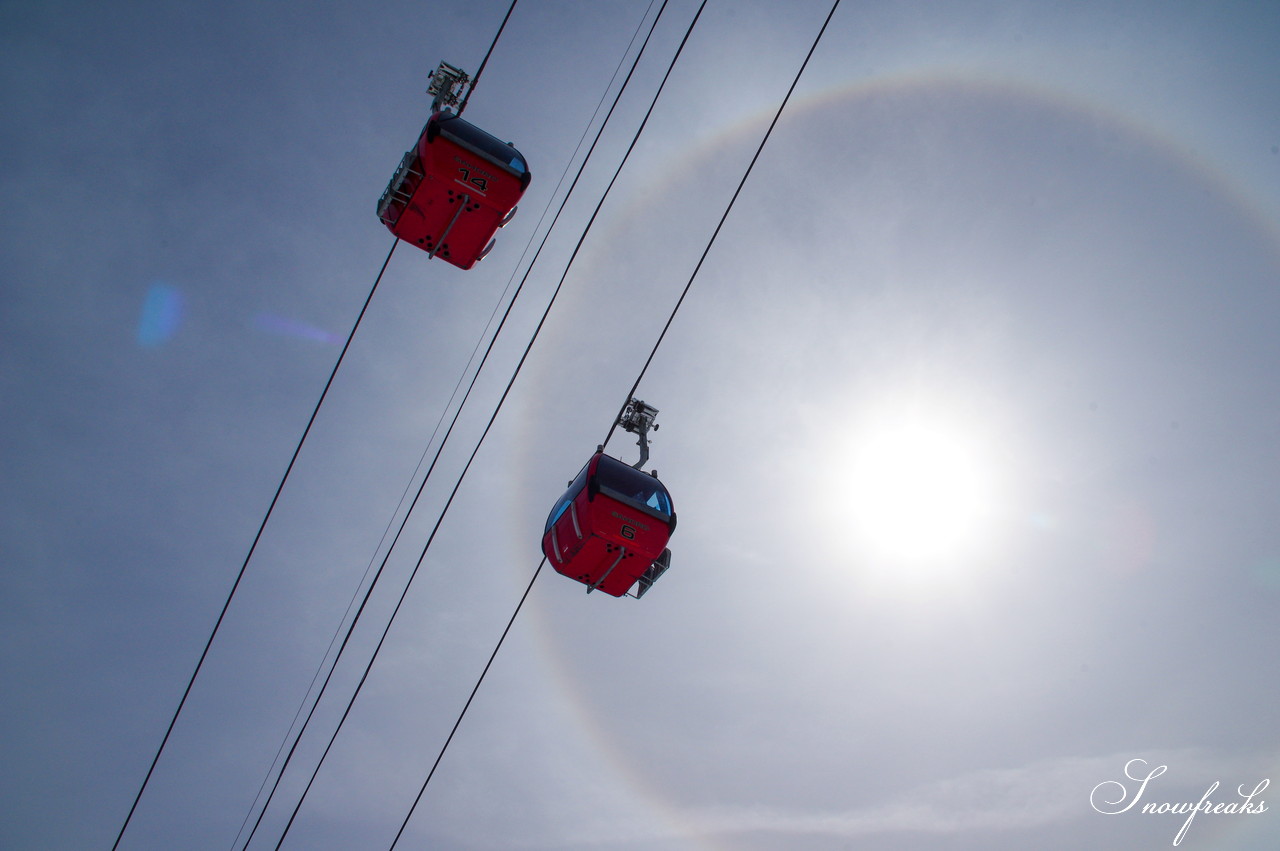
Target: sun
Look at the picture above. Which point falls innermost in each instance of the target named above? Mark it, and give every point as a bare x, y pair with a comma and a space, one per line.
919, 490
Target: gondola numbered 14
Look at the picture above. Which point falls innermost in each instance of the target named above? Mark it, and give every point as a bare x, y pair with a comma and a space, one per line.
457, 185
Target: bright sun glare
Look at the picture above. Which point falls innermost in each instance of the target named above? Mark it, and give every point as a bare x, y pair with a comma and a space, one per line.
920, 491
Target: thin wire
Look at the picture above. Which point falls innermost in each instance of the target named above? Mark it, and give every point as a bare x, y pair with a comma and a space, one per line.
716, 233
467, 705
543, 562
458, 484
404, 494
439, 756
485, 61
457, 413
350, 605
249, 556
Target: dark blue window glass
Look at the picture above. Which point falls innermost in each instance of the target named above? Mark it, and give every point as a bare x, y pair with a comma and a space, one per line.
630, 485
562, 505
490, 147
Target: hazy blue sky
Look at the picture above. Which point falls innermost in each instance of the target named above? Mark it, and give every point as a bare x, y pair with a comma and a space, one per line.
970, 418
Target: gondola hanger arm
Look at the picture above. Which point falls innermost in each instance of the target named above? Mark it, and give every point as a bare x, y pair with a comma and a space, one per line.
638, 418
449, 85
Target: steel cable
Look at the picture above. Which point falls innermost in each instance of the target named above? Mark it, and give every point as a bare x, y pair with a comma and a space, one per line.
458, 484
630, 394
249, 556
440, 448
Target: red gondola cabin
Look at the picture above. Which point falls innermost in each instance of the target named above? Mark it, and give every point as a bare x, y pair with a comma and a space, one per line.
610, 529
454, 190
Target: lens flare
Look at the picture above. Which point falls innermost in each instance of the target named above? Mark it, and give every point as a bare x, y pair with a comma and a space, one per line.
162, 315
286, 327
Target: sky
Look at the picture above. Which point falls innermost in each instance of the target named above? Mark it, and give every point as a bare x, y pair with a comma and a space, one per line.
969, 417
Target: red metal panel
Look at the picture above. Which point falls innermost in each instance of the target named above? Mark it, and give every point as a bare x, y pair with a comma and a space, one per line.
456, 200
601, 541
624, 526
617, 545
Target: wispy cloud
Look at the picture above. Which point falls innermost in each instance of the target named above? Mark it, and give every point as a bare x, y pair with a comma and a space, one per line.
1034, 795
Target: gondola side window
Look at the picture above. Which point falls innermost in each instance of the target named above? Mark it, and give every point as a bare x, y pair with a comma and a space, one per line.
659, 501
562, 505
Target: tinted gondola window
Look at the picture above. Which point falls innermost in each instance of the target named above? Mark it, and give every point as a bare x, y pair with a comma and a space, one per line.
619, 480
575, 488
659, 501
491, 147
